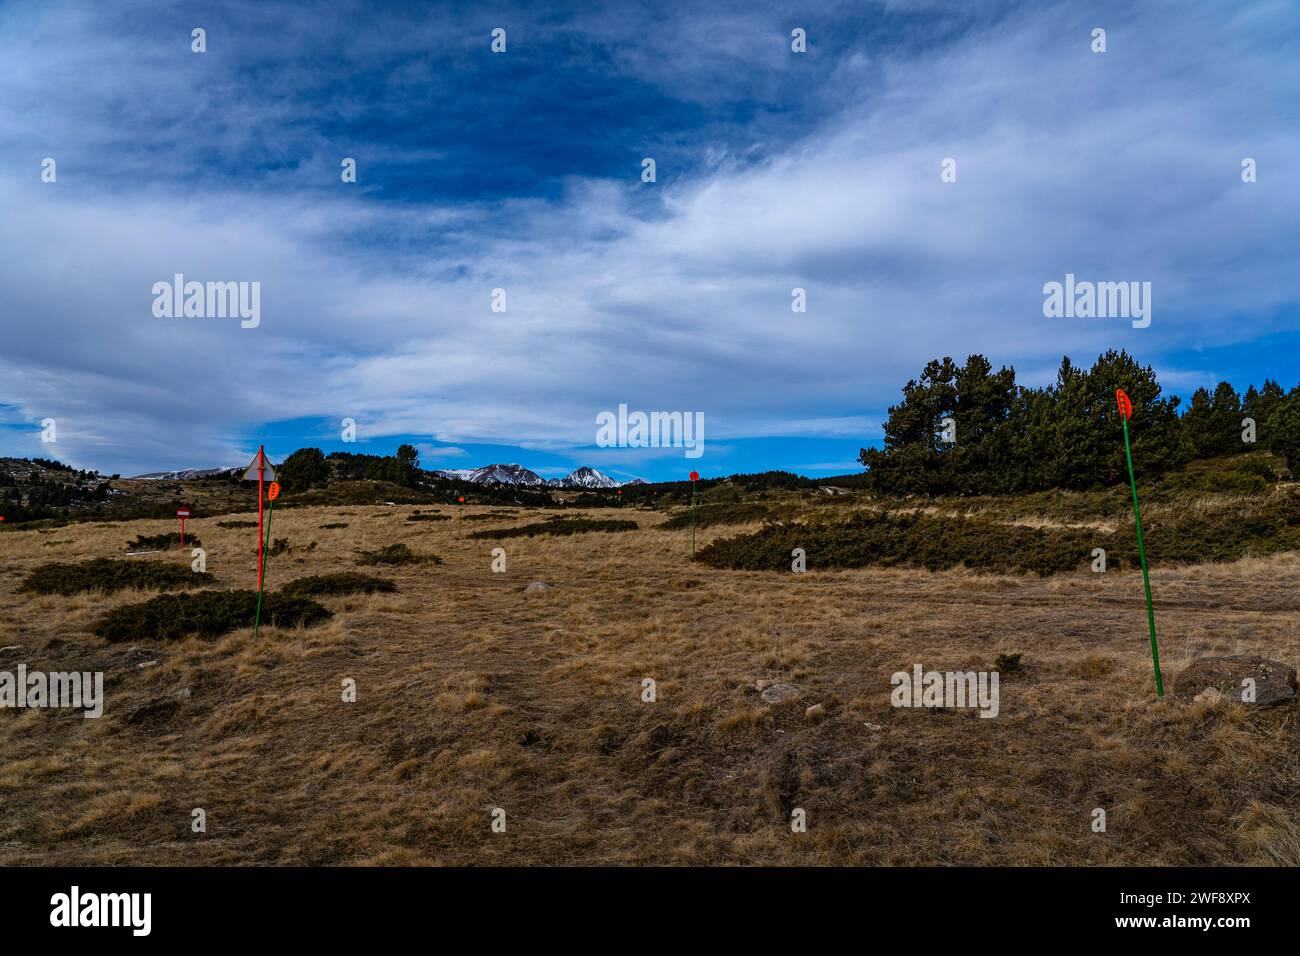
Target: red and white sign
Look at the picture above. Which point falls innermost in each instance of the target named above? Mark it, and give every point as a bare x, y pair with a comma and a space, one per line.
182, 513
259, 468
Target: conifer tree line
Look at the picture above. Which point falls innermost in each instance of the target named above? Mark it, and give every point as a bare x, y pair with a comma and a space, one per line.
1010, 438
311, 468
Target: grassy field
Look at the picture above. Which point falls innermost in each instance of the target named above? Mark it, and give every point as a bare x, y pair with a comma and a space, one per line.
473, 694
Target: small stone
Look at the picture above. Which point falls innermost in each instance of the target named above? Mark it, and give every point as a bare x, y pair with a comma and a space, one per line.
185, 693
779, 693
815, 712
538, 586
870, 726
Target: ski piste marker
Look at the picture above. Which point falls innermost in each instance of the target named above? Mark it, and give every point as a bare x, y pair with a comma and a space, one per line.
1125, 413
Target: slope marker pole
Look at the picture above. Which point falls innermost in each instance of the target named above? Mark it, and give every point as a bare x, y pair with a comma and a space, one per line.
272, 493
1125, 412
695, 476
261, 474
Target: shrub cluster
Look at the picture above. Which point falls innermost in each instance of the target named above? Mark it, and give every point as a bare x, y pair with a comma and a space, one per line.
163, 542
418, 515
345, 582
910, 539
396, 554
1226, 533
723, 513
558, 526
170, 617
103, 574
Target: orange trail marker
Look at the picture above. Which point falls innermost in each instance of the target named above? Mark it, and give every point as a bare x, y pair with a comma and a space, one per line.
271, 494
259, 469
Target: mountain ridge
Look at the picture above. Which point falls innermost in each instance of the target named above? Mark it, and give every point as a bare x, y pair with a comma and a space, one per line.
583, 477
515, 474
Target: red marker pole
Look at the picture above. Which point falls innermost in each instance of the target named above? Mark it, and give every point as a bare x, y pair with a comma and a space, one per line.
274, 493
261, 474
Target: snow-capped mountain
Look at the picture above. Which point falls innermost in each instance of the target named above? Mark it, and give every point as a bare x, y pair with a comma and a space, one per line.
584, 477
186, 474
495, 475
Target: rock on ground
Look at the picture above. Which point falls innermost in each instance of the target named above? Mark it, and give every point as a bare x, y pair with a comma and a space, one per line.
1275, 682
779, 693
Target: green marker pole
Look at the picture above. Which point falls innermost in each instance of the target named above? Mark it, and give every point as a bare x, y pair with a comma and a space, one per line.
1146, 578
693, 476
257, 625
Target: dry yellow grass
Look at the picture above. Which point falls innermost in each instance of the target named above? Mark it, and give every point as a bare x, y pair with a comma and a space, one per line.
473, 695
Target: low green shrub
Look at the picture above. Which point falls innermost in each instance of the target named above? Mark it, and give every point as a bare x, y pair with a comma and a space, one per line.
558, 526
718, 514
1226, 533
1009, 663
163, 542
104, 574
170, 617
396, 554
869, 538
427, 516
345, 582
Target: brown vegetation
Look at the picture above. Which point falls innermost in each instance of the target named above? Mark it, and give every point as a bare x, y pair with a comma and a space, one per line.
472, 694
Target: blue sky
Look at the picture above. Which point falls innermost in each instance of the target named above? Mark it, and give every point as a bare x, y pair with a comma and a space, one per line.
521, 171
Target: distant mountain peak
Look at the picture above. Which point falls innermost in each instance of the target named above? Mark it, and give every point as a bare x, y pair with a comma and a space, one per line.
495, 475
584, 477
185, 474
